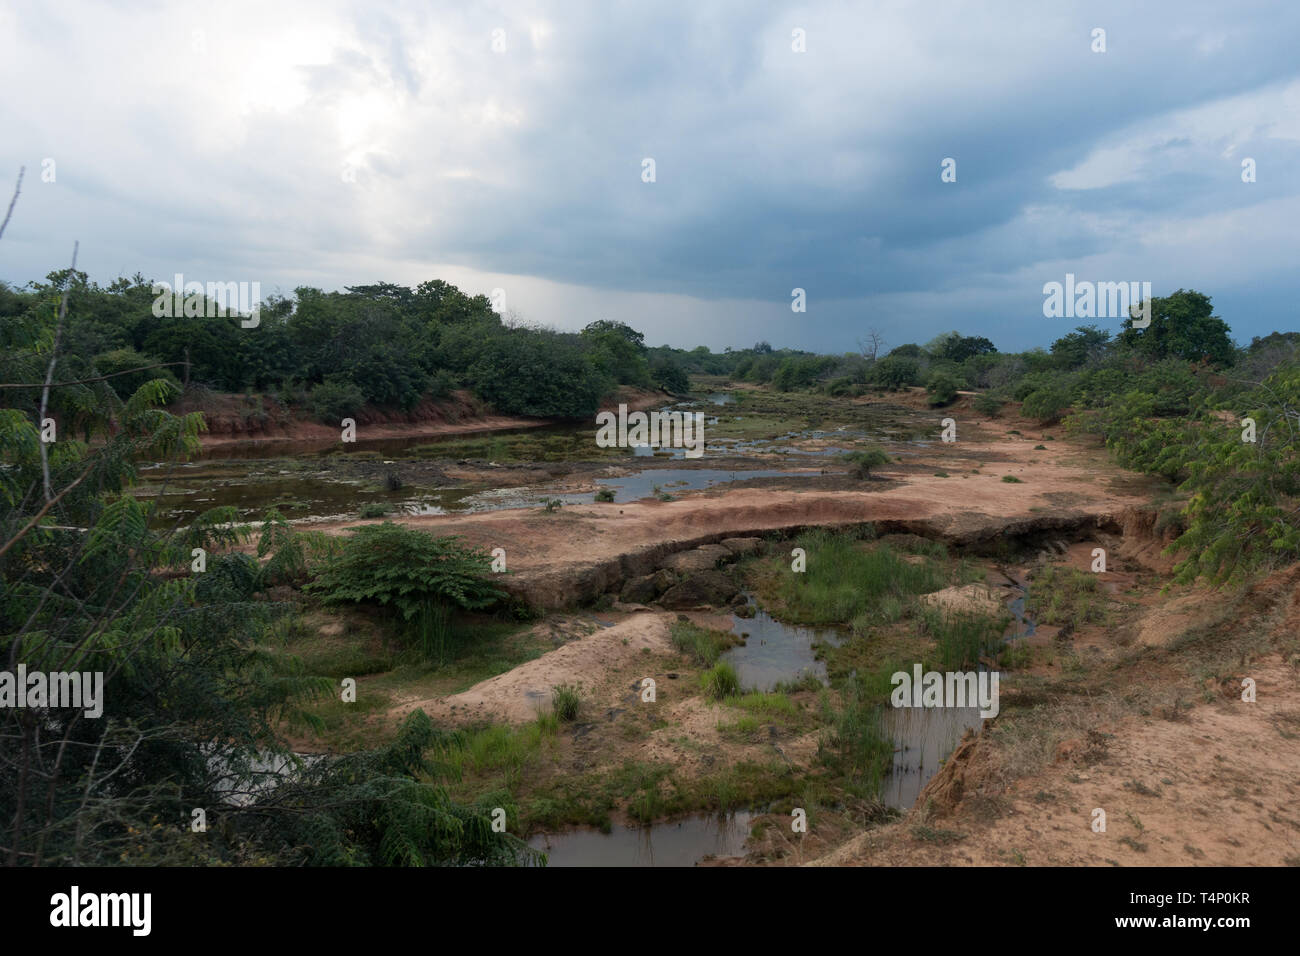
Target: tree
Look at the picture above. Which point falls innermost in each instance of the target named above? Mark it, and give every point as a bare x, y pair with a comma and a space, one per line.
871, 345
942, 387
1086, 345
958, 348
1182, 326
668, 375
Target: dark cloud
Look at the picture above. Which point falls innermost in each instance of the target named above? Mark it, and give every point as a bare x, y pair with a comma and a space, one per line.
775, 169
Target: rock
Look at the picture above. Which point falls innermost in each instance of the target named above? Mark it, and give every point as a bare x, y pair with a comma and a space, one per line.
704, 558
742, 546
743, 610
640, 590
711, 588
663, 580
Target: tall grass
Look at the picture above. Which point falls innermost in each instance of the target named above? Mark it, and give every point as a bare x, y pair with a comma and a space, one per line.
434, 635
566, 704
845, 579
961, 639
701, 645
1065, 595
720, 681
857, 746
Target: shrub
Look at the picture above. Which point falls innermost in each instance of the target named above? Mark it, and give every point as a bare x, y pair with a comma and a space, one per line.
373, 509
1047, 405
988, 404
862, 462
408, 569
229, 577
895, 372
942, 387
331, 402
605, 494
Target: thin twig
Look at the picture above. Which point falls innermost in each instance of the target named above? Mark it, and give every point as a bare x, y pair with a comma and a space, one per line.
17, 189
49, 373
86, 381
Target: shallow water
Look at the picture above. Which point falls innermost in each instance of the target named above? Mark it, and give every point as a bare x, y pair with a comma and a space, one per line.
923, 738
774, 653
681, 842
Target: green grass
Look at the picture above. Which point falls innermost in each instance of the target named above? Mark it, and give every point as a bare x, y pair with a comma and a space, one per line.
846, 578
702, 645
566, 703
503, 748
962, 639
857, 746
1060, 595
720, 681
766, 705
1012, 480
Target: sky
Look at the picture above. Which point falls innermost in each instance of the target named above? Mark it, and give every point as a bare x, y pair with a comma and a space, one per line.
504, 147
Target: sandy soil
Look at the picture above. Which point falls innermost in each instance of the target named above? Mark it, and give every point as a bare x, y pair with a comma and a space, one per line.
1219, 787
517, 696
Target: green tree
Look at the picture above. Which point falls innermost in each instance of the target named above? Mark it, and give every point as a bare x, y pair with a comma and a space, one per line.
1182, 326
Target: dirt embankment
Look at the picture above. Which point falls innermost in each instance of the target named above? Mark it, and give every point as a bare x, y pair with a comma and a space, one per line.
245, 418
1159, 761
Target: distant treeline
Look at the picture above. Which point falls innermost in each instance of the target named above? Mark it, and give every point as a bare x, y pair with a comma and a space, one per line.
390, 345
381, 344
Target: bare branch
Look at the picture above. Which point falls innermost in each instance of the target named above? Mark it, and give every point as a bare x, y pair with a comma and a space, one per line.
87, 381
17, 189
49, 374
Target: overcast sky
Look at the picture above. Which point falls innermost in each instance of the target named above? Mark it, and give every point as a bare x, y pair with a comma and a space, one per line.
342, 143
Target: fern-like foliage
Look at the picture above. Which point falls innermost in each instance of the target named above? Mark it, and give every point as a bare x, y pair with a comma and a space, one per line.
392, 565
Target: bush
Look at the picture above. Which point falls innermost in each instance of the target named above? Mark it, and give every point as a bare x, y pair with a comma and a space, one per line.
988, 404
229, 577
863, 461
373, 509
333, 401
942, 387
895, 372
408, 569
1047, 405
605, 494
668, 375
838, 387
